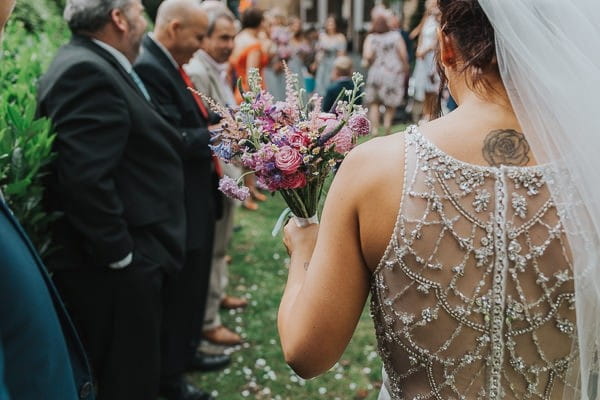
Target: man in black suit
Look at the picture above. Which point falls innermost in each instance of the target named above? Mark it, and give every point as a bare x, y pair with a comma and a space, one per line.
179, 30
118, 181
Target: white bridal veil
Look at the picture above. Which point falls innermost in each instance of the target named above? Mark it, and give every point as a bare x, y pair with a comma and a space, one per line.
549, 57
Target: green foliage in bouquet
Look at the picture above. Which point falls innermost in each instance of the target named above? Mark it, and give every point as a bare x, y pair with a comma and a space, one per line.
30, 42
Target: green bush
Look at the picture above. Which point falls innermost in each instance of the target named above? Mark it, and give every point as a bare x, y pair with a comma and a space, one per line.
31, 40
34, 14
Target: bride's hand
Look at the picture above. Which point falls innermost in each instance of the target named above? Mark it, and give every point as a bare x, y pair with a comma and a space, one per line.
296, 238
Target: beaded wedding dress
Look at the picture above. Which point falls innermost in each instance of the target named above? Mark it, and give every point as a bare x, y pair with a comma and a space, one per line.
474, 296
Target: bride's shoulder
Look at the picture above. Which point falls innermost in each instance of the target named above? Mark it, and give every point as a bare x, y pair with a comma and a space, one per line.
376, 160
380, 148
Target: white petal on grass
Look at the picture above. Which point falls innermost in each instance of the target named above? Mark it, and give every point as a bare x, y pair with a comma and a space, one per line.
261, 362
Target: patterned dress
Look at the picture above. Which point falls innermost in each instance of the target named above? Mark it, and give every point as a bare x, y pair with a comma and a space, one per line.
474, 296
385, 79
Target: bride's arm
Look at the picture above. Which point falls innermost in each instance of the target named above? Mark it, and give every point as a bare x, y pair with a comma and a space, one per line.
326, 290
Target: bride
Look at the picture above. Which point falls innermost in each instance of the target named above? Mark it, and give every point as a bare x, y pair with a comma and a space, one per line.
476, 234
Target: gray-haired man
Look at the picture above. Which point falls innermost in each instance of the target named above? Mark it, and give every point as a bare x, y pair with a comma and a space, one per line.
118, 181
209, 70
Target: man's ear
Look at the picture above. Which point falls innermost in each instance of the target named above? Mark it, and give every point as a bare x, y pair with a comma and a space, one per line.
447, 49
120, 20
173, 27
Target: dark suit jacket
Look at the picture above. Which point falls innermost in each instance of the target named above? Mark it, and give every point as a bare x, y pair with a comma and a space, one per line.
118, 174
40, 351
176, 104
334, 90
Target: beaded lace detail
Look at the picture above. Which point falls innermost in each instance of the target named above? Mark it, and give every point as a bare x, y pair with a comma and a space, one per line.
473, 298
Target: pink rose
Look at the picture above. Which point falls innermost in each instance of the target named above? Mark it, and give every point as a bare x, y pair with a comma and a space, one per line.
342, 140
359, 124
293, 181
288, 160
298, 140
330, 125
327, 116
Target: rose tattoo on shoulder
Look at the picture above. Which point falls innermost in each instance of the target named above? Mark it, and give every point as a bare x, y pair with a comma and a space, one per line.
506, 147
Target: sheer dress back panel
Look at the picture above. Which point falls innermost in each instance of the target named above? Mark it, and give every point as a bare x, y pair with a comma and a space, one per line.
473, 298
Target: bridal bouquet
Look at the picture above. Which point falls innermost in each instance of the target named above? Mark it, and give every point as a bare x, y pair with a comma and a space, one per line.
291, 146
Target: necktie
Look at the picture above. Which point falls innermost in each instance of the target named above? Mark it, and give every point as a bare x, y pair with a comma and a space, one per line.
188, 82
138, 81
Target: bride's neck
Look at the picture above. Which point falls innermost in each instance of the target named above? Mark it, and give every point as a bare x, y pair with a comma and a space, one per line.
492, 94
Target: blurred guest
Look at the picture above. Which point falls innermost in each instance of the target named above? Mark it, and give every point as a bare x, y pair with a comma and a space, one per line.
299, 49
41, 356
310, 59
384, 53
396, 22
331, 44
425, 78
276, 41
117, 180
208, 69
248, 52
179, 30
342, 81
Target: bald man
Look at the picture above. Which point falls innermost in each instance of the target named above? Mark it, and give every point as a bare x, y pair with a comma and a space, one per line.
179, 30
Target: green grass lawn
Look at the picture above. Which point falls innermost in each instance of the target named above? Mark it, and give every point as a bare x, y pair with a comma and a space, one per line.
258, 371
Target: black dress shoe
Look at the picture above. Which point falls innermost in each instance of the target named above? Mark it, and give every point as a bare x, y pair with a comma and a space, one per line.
181, 389
204, 362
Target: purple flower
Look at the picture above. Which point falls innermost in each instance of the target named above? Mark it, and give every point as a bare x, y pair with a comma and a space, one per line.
260, 184
223, 151
359, 124
283, 112
263, 101
232, 190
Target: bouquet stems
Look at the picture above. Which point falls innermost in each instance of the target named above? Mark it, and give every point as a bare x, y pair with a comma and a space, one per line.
304, 202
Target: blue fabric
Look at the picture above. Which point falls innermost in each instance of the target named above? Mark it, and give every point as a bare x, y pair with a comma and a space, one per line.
3, 388
333, 92
36, 361
140, 84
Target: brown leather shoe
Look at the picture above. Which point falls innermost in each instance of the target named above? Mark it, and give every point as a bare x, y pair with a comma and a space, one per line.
232, 303
250, 204
222, 335
258, 196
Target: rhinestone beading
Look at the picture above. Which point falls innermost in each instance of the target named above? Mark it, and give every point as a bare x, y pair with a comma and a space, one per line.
475, 279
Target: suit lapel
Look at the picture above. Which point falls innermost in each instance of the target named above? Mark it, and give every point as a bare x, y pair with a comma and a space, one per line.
164, 61
90, 45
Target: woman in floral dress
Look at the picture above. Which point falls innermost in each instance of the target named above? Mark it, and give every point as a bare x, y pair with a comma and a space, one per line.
386, 56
